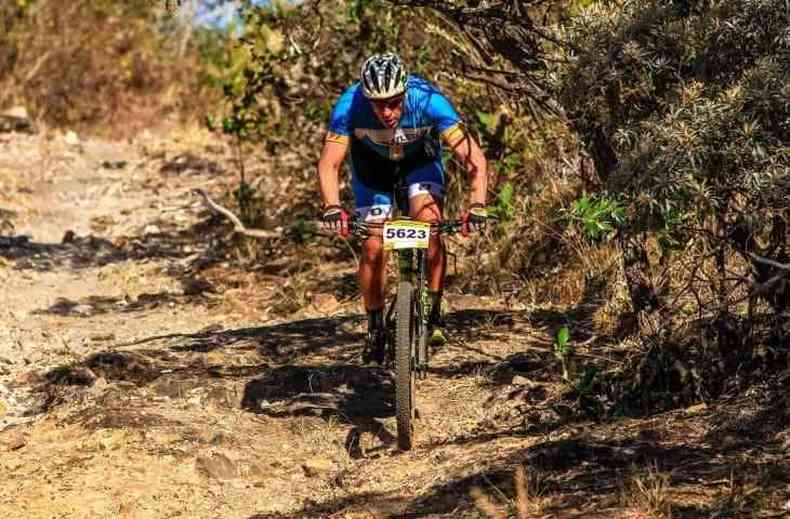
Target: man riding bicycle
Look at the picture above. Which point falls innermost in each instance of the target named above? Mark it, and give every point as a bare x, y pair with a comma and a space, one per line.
393, 121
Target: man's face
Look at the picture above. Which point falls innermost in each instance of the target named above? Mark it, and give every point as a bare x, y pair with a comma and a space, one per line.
389, 110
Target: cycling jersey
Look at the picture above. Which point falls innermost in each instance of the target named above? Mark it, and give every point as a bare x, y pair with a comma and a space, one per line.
414, 146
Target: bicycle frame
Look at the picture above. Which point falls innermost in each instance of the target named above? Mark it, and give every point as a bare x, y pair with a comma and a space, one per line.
413, 267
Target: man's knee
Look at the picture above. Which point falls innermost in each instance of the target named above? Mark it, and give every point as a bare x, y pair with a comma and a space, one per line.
425, 208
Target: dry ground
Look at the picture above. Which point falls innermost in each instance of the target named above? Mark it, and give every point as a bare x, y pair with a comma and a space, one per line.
143, 376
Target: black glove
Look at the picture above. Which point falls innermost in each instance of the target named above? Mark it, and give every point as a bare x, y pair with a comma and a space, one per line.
474, 219
335, 220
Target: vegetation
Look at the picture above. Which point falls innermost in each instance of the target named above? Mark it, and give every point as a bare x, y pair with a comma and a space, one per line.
102, 66
685, 113
640, 147
640, 155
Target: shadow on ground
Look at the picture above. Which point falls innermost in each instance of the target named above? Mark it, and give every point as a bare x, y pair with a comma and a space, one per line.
594, 476
354, 394
81, 252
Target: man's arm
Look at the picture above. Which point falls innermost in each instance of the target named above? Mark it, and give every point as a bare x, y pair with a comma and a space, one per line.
468, 152
332, 157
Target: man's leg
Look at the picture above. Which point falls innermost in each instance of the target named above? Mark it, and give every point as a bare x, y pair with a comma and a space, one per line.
425, 207
373, 205
371, 273
372, 281
372, 270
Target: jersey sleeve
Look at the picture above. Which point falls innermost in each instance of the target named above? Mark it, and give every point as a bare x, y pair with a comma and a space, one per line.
444, 117
340, 128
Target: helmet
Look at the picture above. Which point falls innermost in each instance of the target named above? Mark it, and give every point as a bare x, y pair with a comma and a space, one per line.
383, 76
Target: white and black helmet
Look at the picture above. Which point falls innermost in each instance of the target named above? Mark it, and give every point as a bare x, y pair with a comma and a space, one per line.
383, 76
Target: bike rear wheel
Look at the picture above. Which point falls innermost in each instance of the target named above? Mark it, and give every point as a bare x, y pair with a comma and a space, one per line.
404, 364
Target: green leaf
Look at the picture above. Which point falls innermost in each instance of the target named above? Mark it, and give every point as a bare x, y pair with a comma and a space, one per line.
563, 336
506, 194
487, 120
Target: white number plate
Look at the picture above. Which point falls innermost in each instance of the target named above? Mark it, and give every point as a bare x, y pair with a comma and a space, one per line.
406, 234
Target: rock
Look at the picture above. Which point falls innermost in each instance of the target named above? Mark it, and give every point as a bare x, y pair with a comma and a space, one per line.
111, 439
113, 164
696, 409
68, 237
71, 138
220, 438
519, 380
20, 112
315, 466
3, 408
196, 287
325, 303
16, 120
255, 471
82, 309
15, 442
217, 466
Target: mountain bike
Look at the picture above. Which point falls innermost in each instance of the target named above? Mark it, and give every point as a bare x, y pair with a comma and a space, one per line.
406, 318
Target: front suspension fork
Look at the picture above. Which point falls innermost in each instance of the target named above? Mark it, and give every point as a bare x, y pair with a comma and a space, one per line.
423, 313
422, 302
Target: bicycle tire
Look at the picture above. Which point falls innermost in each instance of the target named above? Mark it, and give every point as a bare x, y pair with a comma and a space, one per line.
404, 368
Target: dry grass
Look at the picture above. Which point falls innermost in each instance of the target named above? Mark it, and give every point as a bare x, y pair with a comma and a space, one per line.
646, 495
133, 279
99, 67
529, 501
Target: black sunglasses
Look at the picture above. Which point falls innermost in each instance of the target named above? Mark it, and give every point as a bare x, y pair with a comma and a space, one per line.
391, 103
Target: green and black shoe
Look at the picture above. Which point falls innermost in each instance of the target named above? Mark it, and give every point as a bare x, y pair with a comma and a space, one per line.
376, 343
437, 336
436, 329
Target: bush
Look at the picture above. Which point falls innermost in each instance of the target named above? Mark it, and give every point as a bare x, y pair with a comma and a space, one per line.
96, 65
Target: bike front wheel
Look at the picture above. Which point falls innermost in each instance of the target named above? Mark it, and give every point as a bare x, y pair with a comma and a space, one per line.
404, 364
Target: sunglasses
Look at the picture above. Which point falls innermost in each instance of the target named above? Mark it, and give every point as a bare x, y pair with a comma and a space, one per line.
392, 103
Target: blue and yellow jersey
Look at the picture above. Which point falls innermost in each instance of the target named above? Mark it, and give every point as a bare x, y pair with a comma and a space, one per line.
427, 116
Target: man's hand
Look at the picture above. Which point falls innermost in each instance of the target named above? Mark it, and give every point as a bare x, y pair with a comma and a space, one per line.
474, 219
335, 220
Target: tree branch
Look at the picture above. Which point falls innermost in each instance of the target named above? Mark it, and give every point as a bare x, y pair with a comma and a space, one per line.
769, 262
238, 226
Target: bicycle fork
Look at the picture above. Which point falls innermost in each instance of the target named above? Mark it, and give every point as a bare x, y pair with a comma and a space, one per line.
415, 270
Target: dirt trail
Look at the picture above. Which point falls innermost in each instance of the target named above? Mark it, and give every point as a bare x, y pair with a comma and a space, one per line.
131, 386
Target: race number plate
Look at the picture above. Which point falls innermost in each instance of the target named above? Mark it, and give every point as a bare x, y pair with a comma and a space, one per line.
406, 234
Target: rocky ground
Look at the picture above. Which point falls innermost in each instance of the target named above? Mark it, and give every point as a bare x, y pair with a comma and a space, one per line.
142, 375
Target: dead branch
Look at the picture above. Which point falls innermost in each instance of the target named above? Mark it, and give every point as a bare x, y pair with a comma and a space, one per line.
238, 226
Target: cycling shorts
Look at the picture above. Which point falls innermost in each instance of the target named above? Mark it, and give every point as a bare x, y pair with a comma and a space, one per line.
373, 180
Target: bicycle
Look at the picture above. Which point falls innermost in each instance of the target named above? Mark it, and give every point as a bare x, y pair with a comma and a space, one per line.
407, 347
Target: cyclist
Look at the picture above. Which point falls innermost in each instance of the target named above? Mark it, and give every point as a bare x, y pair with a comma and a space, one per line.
392, 119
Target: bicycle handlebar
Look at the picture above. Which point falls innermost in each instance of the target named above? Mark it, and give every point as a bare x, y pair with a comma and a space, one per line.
357, 227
